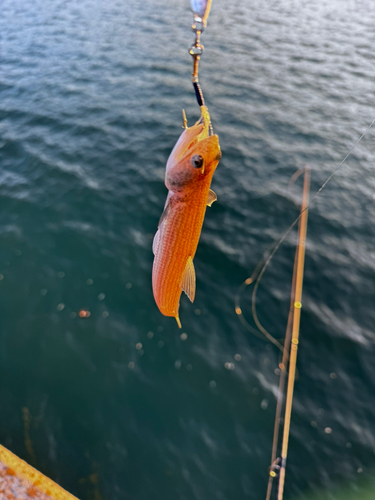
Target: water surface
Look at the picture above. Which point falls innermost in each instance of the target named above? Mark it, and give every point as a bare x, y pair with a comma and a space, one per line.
117, 405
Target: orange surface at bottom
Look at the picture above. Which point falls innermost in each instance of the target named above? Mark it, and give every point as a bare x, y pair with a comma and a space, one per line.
20, 481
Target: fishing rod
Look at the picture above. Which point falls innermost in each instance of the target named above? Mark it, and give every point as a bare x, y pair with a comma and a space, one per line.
278, 465
268, 255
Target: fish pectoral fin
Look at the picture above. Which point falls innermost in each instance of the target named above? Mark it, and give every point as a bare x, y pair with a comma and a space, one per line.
188, 280
211, 197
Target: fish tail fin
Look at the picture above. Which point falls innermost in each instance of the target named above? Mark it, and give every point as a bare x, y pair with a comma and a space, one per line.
178, 321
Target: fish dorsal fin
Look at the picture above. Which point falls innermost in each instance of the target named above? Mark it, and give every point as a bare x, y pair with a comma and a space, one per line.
163, 217
164, 214
211, 197
188, 280
155, 243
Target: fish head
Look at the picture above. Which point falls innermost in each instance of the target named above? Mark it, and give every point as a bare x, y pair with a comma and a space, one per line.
194, 157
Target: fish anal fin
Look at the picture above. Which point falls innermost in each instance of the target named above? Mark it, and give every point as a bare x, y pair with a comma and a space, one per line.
188, 280
211, 197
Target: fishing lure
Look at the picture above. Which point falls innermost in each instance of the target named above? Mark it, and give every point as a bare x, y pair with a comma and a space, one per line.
189, 172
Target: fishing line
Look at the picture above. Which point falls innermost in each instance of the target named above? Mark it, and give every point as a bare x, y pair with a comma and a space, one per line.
237, 299
198, 94
257, 275
201, 10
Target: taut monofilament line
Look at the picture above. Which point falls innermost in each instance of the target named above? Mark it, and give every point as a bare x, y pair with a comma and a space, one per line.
201, 9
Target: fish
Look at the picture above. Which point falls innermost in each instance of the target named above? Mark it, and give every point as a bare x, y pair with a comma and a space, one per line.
188, 177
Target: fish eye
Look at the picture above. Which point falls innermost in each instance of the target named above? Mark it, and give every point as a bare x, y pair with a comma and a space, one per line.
197, 161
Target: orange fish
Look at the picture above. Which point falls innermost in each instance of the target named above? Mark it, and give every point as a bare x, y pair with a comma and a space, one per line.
189, 172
